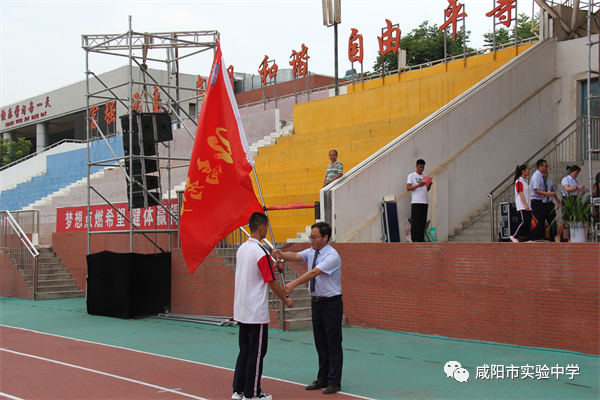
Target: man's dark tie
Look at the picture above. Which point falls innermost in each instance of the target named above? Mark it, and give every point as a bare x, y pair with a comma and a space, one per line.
312, 281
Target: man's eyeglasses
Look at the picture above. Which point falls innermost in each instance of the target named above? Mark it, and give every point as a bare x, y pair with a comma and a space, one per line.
315, 237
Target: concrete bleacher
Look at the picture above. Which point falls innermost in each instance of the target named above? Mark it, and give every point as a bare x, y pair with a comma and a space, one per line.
62, 169
357, 125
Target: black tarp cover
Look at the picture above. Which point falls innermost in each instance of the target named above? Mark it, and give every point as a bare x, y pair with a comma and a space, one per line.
128, 285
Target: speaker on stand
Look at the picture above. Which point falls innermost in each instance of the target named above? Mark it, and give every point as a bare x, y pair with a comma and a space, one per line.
148, 129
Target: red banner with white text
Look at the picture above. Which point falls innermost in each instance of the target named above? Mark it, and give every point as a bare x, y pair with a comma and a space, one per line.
105, 218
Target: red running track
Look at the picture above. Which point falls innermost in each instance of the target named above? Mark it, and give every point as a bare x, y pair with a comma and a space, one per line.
36, 365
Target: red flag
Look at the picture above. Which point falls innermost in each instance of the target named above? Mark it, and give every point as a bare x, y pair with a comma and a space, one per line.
218, 196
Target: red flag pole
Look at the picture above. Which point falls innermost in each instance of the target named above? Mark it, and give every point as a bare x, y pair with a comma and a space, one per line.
281, 275
262, 200
268, 220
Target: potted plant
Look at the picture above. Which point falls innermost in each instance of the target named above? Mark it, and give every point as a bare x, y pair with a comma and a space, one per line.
577, 212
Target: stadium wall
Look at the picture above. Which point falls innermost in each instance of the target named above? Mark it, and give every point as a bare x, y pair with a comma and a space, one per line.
283, 88
540, 295
12, 281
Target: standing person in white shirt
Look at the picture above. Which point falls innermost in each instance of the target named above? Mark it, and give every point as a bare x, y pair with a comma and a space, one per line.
523, 203
569, 187
254, 275
419, 202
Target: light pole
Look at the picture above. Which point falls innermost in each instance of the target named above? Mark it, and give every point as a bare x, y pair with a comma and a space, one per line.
332, 16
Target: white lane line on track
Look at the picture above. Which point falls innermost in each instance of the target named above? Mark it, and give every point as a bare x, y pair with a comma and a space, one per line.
105, 374
10, 397
163, 356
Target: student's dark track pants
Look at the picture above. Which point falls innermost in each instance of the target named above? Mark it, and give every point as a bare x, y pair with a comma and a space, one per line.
248, 369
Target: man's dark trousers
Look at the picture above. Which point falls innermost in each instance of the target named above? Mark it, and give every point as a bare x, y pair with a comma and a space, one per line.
327, 330
538, 210
418, 216
253, 344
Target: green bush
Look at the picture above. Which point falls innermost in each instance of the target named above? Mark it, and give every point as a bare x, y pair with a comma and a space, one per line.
13, 150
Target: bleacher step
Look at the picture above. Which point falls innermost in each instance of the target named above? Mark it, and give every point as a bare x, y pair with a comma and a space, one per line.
60, 295
54, 280
54, 276
300, 324
58, 288
298, 313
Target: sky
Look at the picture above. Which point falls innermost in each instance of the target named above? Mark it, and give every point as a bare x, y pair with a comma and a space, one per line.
40, 41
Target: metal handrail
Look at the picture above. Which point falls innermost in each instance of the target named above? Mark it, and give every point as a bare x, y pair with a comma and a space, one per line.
448, 59
40, 152
268, 100
28, 220
22, 250
568, 147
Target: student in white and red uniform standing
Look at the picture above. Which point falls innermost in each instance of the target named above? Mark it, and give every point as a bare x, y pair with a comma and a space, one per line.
254, 274
523, 203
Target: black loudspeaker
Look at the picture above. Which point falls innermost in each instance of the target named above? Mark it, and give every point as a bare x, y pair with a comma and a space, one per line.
139, 195
151, 166
147, 129
317, 210
138, 199
151, 182
164, 132
149, 147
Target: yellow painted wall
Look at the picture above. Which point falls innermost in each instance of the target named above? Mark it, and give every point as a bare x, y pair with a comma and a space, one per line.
357, 124
419, 91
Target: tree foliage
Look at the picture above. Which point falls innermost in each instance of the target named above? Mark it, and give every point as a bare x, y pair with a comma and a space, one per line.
13, 150
504, 35
424, 44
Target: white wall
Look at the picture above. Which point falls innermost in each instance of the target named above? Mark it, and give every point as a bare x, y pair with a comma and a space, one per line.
470, 145
260, 124
286, 106
571, 66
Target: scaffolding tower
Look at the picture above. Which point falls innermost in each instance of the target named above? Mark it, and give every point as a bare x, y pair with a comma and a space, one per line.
136, 48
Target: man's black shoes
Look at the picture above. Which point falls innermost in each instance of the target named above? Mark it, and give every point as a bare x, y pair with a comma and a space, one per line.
332, 388
316, 385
